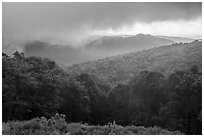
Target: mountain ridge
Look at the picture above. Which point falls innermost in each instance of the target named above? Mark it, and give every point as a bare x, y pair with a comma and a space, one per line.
105, 46
114, 45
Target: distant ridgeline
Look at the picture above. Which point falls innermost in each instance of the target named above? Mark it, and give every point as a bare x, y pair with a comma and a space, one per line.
157, 87
104, 46
165, 59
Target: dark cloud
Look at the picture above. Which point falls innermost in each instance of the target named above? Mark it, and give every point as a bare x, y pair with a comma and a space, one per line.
67, 20
98, 14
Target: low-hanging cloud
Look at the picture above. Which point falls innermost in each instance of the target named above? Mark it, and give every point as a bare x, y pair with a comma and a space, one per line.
71, 22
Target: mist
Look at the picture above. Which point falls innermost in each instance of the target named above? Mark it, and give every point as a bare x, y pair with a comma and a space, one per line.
76, 24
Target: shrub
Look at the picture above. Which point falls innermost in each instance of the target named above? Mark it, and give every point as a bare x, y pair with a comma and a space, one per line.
57, 125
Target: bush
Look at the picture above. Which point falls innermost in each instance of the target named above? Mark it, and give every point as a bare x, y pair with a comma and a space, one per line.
58, 126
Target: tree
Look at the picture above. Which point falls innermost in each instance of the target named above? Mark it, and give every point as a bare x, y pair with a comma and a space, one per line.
18, 55
147, 87
99, 106
119, 98
185, 99
29, 87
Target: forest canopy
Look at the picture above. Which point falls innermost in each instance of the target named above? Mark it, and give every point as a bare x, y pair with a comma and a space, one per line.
35, 87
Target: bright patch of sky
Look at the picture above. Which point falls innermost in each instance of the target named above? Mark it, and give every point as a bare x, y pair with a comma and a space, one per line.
180, 28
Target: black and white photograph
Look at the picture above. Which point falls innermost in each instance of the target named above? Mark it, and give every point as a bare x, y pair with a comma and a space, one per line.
101, 68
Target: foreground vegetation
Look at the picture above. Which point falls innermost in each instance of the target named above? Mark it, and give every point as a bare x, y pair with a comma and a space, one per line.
57, 125
35, 87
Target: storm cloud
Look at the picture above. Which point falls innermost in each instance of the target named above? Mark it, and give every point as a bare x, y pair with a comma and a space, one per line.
72, 22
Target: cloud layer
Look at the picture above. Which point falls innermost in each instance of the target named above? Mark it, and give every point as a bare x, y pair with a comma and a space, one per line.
72, 22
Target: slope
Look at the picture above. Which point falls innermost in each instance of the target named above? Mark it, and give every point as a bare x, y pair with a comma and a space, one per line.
164, 59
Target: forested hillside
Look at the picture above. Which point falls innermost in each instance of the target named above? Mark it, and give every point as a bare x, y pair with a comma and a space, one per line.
165, 59
164, 89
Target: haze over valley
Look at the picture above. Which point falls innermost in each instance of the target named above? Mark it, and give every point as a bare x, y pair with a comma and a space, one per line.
101, 47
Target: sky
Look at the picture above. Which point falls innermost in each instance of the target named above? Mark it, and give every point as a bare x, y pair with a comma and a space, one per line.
74, 23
